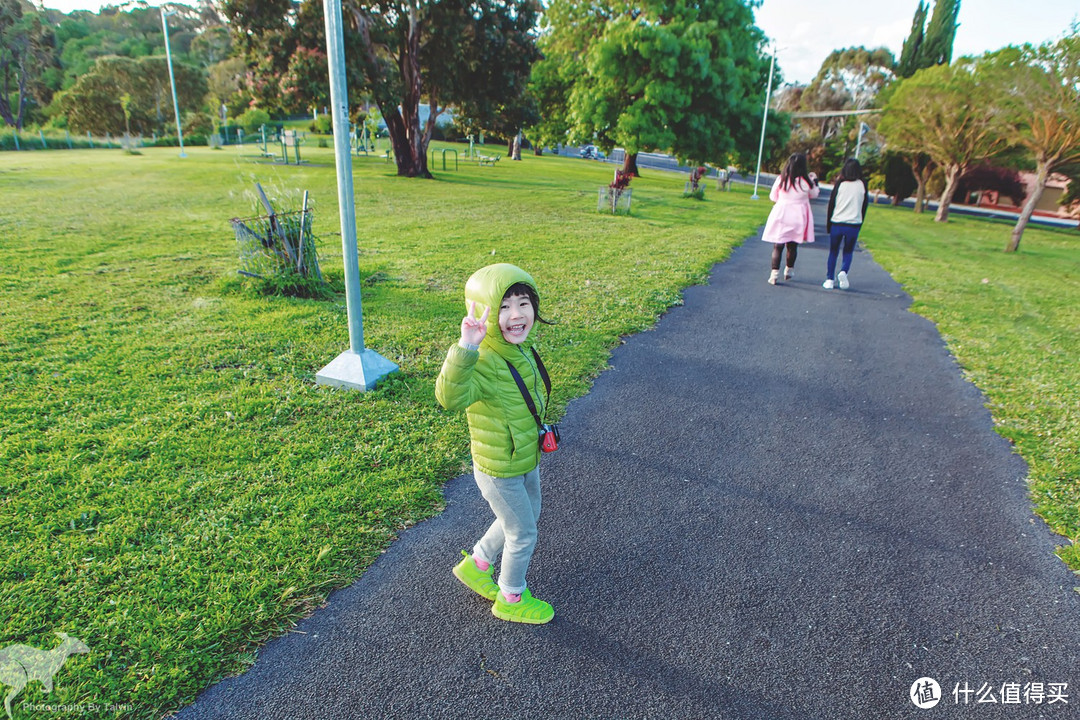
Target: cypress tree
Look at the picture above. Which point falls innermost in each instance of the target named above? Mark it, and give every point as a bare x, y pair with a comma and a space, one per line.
937, 45
909, 56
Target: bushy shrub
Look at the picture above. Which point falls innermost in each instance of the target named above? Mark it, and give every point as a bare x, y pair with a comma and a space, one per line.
197, 123
253, 119
290, 283
324, 124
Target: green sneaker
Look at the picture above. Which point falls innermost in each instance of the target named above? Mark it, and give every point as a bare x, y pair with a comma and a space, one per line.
527, 610
477, 580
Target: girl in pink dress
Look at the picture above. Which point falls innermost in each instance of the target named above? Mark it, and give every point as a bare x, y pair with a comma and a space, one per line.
790, 221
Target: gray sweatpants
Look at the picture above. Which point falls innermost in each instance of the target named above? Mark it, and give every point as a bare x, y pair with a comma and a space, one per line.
516, 504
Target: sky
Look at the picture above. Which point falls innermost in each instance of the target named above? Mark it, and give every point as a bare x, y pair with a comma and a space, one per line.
804, 33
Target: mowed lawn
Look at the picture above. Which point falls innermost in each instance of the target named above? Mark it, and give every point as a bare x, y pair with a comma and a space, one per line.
174, 486
1012, 320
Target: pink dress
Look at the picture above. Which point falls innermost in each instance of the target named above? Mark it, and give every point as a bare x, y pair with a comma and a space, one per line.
790, 219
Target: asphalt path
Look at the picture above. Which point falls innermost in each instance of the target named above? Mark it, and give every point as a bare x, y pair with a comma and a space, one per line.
781, 503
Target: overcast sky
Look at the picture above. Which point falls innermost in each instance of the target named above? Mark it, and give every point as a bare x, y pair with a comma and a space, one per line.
806, 32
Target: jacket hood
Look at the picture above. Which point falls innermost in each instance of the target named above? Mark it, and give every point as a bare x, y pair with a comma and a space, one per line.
486, 288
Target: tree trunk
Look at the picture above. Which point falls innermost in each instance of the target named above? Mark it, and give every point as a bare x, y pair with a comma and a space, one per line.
952, 179
630, 164
403, 125
920, 194
1042, 172
22, 96
405, 138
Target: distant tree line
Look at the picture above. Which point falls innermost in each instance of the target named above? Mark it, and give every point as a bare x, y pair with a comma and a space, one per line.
658, 75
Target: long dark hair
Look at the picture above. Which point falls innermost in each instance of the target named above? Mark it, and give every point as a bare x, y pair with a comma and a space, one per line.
528, 291
794, 168
852, 170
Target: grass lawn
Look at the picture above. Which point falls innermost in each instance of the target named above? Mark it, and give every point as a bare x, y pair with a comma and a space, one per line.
174, 486
176, 489
1013, 323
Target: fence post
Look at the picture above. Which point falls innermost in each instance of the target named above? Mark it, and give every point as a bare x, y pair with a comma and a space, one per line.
42, 136
67, 136
89, 139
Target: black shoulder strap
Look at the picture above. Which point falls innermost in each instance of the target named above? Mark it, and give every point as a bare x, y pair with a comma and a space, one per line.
542, 370
525, 391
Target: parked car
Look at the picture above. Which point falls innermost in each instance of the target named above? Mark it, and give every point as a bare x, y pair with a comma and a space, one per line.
590, 152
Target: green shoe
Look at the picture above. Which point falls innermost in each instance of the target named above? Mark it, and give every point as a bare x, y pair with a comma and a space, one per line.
527, 610
477, 580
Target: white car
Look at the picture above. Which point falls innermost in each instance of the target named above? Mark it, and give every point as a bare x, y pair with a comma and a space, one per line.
590, 152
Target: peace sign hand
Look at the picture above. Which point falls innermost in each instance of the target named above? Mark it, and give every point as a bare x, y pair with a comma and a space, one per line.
474, 329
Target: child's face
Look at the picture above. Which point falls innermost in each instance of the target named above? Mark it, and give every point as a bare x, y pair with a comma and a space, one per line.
516, 317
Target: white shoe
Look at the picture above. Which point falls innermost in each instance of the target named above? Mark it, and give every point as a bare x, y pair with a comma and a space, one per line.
774, 276
841, 277
828, 284
789, 273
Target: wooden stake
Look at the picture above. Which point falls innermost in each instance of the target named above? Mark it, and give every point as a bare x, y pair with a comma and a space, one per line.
274, 224
300, 245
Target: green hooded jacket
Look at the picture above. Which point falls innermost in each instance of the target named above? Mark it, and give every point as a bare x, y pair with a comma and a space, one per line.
505, 439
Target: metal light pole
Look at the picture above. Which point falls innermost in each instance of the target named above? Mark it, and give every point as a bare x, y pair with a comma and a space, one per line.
356, 368
863, 129
172, 80
764, 118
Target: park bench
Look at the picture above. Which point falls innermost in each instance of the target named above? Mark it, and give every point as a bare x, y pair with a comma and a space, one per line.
488, 159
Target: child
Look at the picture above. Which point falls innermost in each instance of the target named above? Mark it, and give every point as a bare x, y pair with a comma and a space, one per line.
847, 211
503, 430
790, 221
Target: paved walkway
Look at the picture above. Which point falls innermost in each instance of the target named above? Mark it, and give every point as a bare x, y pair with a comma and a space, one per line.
782, 503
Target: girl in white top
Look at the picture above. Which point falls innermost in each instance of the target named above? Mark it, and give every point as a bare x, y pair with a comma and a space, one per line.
847, 210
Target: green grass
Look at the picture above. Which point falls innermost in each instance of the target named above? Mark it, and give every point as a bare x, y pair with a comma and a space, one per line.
1013, 323
174, 487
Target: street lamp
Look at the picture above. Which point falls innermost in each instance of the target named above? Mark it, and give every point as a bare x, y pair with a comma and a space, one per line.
172, 80
863, 129
764, 118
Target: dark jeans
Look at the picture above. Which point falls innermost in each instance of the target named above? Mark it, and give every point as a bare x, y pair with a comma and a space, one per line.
778, 250
848, 234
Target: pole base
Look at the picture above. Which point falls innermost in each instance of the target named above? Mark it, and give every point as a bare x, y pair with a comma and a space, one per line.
355, 371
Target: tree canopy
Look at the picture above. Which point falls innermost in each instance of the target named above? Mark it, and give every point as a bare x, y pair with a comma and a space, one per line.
849, 79
929, 45
685, 78
942, 112
1037, 102
475, 55
27, 52
95, 103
